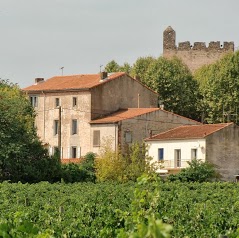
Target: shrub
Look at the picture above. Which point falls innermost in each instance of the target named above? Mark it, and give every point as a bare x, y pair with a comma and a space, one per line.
110, 166
83, 172
115, 166
198, 171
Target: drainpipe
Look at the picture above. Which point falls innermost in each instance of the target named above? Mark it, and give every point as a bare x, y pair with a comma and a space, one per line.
44, 119
116, 141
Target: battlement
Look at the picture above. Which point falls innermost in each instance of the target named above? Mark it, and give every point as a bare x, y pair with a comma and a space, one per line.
201, 46
194, 55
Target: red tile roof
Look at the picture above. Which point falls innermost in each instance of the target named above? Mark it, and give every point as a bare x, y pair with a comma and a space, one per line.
82, 81
128, 113
189, 132
72, 160
123, 114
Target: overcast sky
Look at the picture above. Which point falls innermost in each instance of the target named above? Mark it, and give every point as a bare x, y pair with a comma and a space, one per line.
38, 37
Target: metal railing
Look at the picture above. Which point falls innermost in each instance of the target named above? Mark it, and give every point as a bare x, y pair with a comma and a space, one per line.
173, 164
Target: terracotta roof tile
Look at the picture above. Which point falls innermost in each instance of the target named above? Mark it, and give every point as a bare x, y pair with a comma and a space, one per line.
72, 160
82, 81
123, 114
189, 132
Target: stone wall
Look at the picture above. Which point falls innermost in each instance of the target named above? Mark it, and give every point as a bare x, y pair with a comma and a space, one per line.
222, 149
47, 113
151, 124
197, 54
124, 92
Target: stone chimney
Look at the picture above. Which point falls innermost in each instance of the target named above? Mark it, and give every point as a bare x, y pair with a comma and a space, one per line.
39, 80
103, 75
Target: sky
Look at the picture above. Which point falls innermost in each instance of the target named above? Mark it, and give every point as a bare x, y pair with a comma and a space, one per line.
38, 37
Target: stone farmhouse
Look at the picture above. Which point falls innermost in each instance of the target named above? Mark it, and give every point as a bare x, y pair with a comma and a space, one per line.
196, 55
75, 113
216, 143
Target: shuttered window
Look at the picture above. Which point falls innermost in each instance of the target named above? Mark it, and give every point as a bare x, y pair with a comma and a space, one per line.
96, 138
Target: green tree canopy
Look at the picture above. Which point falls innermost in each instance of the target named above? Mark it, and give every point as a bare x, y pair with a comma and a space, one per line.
219, 85
112, 66
172, 80
20, 149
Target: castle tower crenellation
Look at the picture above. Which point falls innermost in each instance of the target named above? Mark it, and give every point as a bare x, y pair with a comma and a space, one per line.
169, 38
194, 55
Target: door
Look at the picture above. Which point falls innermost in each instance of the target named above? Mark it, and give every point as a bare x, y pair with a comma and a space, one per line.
177, 158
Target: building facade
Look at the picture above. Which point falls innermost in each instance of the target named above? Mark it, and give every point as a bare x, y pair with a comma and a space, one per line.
71, 102
130, 125
216, 143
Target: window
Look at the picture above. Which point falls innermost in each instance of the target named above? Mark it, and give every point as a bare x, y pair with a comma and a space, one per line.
177, 158
96, 138
73, 152
194, 154
74, 127
160, 154
57, 102
34, 101
128, 136
74, 101
56, 125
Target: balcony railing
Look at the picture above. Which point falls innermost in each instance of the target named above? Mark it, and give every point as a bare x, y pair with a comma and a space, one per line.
173, 164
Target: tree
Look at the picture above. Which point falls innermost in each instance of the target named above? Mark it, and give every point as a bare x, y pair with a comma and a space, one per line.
219, 86
22, 157
116, 166
177, 89
141, 66
112, 66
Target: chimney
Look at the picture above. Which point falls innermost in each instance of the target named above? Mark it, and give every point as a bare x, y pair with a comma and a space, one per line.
103, 75
39, 80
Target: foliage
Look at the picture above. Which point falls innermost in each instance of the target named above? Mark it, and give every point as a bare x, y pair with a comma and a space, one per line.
219, 85
110, 166
116, 166
92, 210
142, 219
137, 162
63, 210
88, 167
83, 172
177, 89
112, 66
198, 171
22, 157
141, 66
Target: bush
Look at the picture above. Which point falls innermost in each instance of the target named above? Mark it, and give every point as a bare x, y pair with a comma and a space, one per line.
115, 166
83, 172
198, 171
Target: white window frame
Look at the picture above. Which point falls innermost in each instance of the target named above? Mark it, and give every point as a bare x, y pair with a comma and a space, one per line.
34, 101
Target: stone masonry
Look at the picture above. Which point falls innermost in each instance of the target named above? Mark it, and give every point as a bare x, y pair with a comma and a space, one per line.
196, 55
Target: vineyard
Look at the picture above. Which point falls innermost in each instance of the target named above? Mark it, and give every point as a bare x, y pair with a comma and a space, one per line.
106, 209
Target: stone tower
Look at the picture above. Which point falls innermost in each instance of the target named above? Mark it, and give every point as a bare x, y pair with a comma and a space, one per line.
196, 55
169, 39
